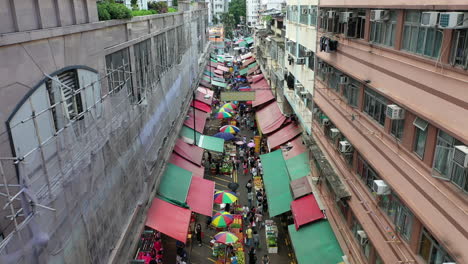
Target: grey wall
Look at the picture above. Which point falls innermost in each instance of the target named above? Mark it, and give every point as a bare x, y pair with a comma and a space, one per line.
108, 171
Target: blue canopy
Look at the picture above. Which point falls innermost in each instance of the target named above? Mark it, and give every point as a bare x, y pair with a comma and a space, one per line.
225, 136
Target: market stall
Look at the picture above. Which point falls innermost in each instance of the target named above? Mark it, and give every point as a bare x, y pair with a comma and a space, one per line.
271, 233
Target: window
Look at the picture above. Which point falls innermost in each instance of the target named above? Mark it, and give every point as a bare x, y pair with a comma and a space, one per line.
383, 32
375, 105
397, 128
400, 215
143, 68
460, 48
161, 53
431, 251
118, 66
420, 136
364, 243
351, 92
418, 39
321, 66
172, 49
64, 89
366, 172
313, 16
445, 165
311, 61
356, 25
334, 80
304, 14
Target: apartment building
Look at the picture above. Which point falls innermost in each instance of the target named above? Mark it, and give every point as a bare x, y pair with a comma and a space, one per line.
390, 113
253, 6
301, 34
219, 7
89, 111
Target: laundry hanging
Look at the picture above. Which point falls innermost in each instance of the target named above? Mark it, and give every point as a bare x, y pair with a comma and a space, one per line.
328, 45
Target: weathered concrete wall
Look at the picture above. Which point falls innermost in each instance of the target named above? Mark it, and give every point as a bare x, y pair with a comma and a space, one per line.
108, 171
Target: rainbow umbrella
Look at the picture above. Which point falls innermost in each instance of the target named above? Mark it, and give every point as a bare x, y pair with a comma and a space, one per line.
229, 105
221, 115
226, 238
229, 129
228, 110
222, 219
221, 197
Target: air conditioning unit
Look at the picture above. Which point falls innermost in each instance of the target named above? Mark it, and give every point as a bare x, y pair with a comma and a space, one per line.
300, 61
328, 69
345, 147
395, 112
449, 20
380, 187
325, 121
379, 15
309, 53
331, 14
429, 19
345, 16
362, 237
335, 132
460, 155
344, 79
303, 94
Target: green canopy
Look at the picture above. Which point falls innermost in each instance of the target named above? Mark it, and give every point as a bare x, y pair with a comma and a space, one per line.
220, 59
213, 60
244, 71
203, 141
298, 166
249, 40
276, 181
175, 183
243, 44
206, 78
220, 84
208, 73
252, 65
315, 243
213, 55
219, 79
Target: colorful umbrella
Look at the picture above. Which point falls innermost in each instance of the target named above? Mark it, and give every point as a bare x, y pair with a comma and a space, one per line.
221, 197
226, 238
229, 105
239, 142
251, 145
225, 136
221, 115
228, 110
222, 219
229, 129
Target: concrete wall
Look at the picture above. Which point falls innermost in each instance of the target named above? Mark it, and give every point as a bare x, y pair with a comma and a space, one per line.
111, 172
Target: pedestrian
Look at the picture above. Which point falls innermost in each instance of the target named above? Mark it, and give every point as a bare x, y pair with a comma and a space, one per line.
249, 186
198, 234
208, 221
265, 259
250, 198
245, 212
256, 239
249, 235
252, 256
218, 168
259, 218
265, 204
253, 171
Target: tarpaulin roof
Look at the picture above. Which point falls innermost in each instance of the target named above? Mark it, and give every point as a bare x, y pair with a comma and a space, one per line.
299, 187
254, 64
205, 83
252, 69
316, 243
248, 61
169, 219
249, 40
203, 141
243, 71
175, 184
246, 56
189, 152
220, 84
206, 78
297, 148
201, 195
197, 171
256, 78
261, 84
298, 166
270, 118
305, 210
242, 44
262, 97
218, 72
201, 106
276, 182
222, 68
219, 79
202, 92
283, 135
200, 119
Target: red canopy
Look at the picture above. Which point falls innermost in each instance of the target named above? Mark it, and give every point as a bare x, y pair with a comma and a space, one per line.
200, 196
297, 148
270, 118
201, 106
262, 97
256, 78
260, 85
283, 135
202, 92
197, 171
205, 84
192, 153
248, 61
222, 68
219, 72
305, 210
169, 219
200, 119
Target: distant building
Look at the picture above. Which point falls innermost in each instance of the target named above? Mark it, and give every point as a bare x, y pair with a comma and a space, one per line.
253, 6
142, 4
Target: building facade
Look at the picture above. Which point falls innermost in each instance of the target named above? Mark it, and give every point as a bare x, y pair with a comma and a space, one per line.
219, 7
142, 4
253, 6
390, 113
89, 112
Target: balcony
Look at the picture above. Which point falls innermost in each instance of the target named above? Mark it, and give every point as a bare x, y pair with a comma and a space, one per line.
300, 108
